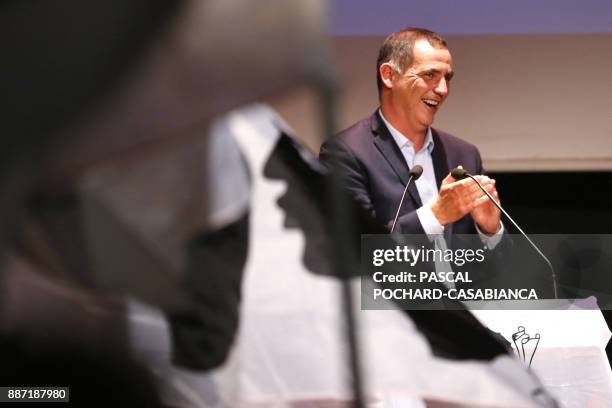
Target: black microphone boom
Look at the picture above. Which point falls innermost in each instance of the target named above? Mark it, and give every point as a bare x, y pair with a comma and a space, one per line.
415, 173
459, 173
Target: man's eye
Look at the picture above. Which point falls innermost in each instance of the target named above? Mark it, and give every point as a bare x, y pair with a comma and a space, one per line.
429, 75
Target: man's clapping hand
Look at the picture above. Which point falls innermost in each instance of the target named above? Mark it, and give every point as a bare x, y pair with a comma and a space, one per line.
458, 198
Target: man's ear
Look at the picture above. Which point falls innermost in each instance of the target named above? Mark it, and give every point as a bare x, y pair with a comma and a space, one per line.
386, 72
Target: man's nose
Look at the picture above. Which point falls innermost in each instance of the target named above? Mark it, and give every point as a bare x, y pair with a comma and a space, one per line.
442, 87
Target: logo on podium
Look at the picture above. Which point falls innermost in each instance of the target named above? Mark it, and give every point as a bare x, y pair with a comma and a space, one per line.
526, 346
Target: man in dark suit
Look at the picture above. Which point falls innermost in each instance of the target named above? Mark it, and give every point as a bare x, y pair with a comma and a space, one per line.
414, 70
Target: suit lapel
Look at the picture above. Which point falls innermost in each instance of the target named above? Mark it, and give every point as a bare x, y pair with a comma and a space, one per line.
441, 169
388, 148
438, 157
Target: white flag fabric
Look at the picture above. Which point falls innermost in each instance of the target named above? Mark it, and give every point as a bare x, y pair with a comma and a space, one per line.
290, 348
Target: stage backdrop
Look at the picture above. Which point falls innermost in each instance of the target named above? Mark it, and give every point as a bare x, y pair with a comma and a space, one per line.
532, 89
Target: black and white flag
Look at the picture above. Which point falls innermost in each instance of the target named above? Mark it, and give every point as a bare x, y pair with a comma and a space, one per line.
284, 316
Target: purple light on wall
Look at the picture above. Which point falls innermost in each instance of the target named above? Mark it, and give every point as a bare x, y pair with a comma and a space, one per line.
454, 17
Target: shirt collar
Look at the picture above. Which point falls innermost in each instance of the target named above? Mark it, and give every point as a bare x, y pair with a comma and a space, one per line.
402, 141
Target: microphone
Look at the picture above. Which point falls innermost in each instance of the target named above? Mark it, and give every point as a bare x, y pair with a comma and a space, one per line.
460, 173
415, 173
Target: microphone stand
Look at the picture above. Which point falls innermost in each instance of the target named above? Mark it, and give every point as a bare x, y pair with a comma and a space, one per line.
554, 276
399, 207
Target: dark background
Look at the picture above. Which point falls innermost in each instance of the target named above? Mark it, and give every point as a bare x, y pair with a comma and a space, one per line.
572, 202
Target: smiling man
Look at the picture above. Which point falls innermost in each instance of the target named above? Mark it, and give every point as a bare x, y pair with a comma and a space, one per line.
414, 73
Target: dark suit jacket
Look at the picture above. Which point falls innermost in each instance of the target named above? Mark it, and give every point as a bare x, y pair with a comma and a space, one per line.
376, 171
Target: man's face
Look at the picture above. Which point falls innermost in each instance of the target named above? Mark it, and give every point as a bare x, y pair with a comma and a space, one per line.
419, 92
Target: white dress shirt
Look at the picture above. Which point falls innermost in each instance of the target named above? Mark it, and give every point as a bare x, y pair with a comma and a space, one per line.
426, 184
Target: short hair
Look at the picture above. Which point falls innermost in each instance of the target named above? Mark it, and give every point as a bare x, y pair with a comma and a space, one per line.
397, 49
